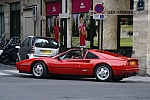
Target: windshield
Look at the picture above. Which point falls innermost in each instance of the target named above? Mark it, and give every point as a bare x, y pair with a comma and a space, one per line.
46, 43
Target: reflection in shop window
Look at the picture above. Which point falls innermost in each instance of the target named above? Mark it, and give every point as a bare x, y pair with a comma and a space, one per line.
126, 32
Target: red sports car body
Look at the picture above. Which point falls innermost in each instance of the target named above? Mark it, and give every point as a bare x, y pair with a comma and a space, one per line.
100, 64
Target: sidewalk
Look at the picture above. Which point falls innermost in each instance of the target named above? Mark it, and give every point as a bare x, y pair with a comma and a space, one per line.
137, 78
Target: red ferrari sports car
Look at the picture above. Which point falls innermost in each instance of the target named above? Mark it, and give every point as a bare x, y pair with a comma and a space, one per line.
99, 64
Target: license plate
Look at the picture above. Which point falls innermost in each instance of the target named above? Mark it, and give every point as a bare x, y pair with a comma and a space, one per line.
46, 52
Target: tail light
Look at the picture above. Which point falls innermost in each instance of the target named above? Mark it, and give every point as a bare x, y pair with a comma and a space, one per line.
32, 49
132, 63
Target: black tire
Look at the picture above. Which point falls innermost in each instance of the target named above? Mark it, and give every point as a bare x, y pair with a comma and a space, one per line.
117, 79
103, 73
6, 59
39, 70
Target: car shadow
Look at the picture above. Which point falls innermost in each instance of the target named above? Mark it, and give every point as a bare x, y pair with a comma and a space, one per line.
76, 79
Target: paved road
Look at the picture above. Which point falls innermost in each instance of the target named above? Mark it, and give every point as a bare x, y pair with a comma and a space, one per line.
15, 86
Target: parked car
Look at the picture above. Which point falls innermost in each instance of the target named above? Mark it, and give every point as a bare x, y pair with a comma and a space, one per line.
8, 51
36, 46
100, 64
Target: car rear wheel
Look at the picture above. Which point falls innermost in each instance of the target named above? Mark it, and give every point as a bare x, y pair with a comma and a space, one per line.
6, 59
103, 73
39, 69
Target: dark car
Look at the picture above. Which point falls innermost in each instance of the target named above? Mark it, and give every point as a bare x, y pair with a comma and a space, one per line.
9, 50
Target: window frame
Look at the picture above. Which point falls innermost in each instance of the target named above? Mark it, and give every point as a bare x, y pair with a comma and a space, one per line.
2, 20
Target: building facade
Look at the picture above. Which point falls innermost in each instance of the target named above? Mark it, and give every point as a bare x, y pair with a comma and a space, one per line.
122, 27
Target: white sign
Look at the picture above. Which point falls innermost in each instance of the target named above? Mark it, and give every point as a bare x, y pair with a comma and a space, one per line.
64, 15
98, 16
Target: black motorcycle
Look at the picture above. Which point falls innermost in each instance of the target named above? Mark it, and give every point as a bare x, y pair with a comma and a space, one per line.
9, 52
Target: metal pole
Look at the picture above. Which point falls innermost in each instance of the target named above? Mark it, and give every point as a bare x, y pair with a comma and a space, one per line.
101, 34
34, 28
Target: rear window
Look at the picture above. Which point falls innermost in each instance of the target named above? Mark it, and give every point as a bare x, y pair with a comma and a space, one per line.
91, 56
46, 43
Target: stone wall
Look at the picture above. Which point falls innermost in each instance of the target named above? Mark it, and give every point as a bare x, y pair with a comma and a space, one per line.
141, 41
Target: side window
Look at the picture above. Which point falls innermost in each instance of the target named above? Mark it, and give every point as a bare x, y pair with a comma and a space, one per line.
69, 54
63, 56
91, 56
26, 42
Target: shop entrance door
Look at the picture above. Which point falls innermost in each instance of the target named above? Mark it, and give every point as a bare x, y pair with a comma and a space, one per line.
63, 34
125, 34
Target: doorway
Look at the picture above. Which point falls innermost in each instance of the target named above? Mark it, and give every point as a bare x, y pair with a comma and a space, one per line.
63, 34
125, 34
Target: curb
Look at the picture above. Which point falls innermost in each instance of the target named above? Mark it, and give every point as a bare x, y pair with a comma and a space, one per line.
137, 78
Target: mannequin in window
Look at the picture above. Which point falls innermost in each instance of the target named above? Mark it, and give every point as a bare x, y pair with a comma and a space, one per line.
82, 31
56, 29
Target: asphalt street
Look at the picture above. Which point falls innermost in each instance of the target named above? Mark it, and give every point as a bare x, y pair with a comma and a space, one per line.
17, 86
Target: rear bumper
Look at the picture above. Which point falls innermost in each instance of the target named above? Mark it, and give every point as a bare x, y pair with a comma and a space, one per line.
127, 72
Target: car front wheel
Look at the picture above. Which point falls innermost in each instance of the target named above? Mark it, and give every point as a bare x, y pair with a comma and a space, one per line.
103, 73
39, 69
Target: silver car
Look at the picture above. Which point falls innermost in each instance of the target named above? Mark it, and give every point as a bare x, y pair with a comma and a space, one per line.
35, 46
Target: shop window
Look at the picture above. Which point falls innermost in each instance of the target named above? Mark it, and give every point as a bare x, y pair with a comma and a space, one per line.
53, 27
125, 35
1, 20
53, 9
82, 24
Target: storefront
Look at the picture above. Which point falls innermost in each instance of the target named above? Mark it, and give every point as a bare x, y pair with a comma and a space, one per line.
80, 9
52, 19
